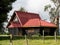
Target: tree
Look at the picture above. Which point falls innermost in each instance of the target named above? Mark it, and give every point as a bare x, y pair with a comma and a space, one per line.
22, 9
5, 6
54, 12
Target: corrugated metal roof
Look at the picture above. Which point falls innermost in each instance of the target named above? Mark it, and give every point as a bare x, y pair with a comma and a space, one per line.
30, 20
14, 25
47, 24
25, 16
32, 23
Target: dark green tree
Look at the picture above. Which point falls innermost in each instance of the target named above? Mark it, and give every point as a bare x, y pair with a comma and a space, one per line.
5, 6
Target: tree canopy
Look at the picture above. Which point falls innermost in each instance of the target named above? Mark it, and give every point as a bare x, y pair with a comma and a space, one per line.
22, 9
5, 6
53, 11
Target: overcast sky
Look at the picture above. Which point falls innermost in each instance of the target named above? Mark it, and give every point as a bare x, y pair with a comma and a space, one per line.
34, 6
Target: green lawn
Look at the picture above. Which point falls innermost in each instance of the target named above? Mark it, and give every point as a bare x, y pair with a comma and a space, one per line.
49, 40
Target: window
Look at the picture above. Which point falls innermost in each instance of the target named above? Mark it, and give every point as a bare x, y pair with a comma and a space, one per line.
15, 19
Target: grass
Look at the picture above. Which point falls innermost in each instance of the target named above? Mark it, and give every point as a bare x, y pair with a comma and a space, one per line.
49, 40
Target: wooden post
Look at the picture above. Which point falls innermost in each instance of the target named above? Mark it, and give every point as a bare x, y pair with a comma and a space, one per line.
11, 43
43, 36
55, 35
26, 39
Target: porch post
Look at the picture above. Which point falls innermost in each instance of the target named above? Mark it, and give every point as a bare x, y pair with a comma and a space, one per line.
43, 36
11, 43
55, 35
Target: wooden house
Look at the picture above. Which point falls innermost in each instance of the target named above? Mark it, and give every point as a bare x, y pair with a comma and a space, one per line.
22, 23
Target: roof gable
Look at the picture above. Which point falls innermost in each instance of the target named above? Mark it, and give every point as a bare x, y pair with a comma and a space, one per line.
25, 16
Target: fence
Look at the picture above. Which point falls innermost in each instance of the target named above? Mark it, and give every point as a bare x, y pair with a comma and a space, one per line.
26, 40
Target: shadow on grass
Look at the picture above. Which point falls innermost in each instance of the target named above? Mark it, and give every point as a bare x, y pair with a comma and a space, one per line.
17, 37
0, 44
8, 38
36, 38
49, 37
4, 38
58, 37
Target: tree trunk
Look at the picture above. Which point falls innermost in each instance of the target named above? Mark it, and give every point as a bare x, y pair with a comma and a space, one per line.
56, 21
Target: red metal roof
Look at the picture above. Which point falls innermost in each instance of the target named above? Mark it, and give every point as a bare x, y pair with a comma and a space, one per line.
25, 16
38, 23
14, 25
30, 20
47, 24
32, 23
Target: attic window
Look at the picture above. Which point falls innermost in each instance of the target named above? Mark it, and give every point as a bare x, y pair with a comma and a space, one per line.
15, 19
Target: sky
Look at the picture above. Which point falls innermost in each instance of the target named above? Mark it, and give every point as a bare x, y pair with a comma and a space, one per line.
33, 6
